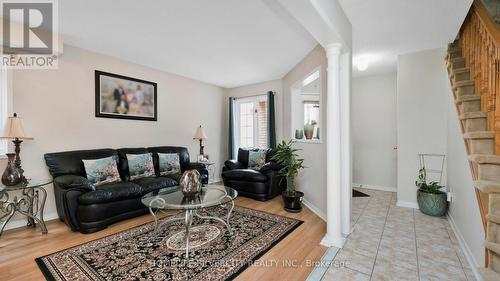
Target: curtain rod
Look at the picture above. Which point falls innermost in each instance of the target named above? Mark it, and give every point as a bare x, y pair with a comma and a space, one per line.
254, 95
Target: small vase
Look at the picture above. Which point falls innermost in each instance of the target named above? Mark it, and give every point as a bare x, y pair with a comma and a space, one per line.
190, 183
308, 131
299, 134
11, 175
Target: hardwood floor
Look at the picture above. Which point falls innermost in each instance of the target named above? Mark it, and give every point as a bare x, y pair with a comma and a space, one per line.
288, 260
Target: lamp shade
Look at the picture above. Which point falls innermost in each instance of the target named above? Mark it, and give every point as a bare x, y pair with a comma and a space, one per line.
200, 134
14, 129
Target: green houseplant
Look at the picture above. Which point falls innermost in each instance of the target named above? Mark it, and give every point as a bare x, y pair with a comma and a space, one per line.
431, 199
291, 164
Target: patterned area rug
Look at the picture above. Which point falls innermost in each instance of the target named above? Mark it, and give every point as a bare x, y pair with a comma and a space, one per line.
141, 253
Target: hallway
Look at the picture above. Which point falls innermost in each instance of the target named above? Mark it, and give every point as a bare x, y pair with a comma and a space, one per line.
394, 243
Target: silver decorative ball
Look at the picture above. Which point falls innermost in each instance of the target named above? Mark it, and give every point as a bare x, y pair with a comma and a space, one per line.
190, 183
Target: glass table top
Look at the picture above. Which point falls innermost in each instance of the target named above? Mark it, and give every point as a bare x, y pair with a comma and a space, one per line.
173, 198
32, 183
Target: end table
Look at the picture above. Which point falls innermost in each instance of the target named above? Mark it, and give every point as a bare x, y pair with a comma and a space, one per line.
29, 203
210, 166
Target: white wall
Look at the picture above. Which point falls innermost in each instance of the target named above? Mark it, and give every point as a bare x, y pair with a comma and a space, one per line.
312, 180
422, 111
464, 208
374, 131
58, 110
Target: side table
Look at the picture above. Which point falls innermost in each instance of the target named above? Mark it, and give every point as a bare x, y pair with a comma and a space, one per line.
210, 166
29, 203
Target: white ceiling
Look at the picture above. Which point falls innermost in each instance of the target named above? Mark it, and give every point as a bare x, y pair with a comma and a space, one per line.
223, 42
383, 29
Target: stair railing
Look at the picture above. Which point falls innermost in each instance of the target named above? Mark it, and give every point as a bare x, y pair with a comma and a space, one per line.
480, 41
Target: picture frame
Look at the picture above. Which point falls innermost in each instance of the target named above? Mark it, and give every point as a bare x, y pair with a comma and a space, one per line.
123, 97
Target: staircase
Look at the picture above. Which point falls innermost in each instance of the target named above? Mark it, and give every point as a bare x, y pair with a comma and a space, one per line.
473, 63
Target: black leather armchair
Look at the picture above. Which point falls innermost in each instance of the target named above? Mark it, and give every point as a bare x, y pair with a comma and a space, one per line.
86, 208
262, 185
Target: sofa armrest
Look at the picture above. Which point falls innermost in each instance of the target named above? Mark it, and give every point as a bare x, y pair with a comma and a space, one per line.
233, 164
67, 189
73, 182
270, 166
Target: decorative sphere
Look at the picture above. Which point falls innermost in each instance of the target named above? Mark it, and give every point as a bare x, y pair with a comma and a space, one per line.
190, 182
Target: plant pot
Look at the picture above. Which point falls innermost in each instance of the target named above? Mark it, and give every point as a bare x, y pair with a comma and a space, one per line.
293, 201
308, 131
432, 204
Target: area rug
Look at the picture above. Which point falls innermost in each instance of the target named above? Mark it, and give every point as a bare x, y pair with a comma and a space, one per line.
141, 253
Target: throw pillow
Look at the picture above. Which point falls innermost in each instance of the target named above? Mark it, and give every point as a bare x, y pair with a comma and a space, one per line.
169, 164
256, 159
101, 171
140, 166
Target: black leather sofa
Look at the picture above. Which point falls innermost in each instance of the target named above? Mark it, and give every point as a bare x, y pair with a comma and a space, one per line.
261, 185
88, 209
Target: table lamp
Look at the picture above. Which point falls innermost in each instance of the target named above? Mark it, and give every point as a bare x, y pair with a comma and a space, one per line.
200, 135
14, 130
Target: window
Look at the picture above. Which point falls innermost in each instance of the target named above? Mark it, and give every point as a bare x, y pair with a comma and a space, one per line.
3, 107
251, 122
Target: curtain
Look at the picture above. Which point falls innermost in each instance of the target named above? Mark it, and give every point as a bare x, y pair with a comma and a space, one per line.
232, 137
271, 120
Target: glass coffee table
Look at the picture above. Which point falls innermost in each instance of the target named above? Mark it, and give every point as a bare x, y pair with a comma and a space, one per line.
173, 199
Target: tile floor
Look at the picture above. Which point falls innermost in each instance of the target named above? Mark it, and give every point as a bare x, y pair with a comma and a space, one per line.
394, 243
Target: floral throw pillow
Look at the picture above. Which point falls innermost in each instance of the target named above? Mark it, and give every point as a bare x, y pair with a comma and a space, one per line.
256, 159
101, 171
140, 166
169, 164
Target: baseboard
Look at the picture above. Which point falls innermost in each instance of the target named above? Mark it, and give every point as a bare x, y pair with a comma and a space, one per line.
314, 209
21, 222
465, 249
406, 204
375, 187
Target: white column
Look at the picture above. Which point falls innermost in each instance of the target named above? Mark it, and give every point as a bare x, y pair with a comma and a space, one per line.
333, 235
345, 135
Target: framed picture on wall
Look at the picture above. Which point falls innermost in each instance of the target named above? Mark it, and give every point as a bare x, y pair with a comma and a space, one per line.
123, 97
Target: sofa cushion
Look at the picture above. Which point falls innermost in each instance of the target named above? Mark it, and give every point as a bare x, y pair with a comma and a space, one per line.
102, 171
182, 151
140, 166
123, 161
154, 183
111, 192
169, 164
256, 159
244, 175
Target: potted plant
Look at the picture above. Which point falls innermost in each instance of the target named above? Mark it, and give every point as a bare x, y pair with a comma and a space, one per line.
287, 157
431, 199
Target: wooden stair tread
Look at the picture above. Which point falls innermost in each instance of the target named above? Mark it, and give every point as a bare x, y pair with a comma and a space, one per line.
479, 135
468, 98
473, 115
460, 59
488, 274
463, 83
494, 247
493, 218
485, 159
488, 186
461, 70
